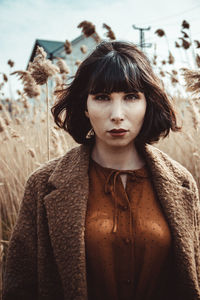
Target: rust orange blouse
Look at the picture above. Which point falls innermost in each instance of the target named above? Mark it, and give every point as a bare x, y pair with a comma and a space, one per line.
127, 239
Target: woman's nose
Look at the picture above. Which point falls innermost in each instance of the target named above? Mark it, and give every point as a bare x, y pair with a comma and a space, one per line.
117, 113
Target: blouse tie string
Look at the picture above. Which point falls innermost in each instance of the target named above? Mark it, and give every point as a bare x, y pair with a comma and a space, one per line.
110, 187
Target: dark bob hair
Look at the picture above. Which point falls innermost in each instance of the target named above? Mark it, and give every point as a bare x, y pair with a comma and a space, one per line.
115, 66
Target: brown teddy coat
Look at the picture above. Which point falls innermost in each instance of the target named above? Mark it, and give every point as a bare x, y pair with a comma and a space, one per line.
46, 257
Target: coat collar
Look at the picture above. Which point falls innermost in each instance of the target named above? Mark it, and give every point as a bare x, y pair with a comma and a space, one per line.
66, 208
159, 164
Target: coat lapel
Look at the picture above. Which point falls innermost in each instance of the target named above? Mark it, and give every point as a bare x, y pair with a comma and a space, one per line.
176, 199
66, 208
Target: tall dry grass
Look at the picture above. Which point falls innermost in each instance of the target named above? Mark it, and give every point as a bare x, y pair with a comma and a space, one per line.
26, 143
184, 146
23, 149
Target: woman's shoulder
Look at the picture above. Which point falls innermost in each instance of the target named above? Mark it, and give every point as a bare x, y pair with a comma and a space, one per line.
172, 166
44, 171
169, 161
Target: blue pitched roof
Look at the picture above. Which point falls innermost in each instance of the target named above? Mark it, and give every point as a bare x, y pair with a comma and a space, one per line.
51, 47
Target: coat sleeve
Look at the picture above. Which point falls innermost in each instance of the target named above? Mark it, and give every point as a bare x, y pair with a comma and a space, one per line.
20, 277
197, 228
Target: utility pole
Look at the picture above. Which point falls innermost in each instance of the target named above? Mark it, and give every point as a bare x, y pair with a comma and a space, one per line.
142, 40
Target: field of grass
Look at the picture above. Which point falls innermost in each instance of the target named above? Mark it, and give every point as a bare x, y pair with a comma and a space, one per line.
24, 148
24, 145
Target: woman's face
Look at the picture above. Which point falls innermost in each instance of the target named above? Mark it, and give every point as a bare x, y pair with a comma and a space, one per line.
117, 117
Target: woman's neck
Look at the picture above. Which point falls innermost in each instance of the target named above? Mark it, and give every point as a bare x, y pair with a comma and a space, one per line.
120, 158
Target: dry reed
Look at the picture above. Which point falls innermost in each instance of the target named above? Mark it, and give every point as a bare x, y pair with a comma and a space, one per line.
63, 67
110, 34
42, 68
192, 78
30, 87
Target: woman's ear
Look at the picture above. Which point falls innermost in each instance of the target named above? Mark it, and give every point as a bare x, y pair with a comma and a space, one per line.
86, 113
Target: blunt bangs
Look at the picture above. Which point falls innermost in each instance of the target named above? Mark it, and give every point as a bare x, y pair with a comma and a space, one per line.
114, 73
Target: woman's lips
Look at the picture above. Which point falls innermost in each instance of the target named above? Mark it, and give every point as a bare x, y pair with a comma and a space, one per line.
118, 132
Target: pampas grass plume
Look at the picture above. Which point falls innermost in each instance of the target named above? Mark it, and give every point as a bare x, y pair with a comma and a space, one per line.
41, 68
78, 62
185, 24
5, 78
63, 67
192, 78
197, 43
83, 49
11, 63
185, 44
30, 87
171, 59
110, 34
160, 32
68, 47
31, 151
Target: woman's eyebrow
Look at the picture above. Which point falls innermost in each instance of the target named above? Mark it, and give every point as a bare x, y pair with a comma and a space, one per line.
133, 91
108, 94
101, 93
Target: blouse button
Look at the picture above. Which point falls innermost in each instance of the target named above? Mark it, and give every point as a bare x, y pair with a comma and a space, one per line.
127, 281
127, 241
124, 207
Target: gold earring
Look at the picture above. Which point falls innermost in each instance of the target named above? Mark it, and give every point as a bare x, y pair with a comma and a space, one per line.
90, 134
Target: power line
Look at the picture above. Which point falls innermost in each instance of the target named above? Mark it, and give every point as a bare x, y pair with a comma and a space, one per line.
175, 22
171, 16
171, 39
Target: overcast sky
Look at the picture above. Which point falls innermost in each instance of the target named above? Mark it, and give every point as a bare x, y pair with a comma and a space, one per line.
24, 21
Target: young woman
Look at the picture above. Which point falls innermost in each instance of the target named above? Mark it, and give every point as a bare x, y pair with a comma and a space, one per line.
114, 218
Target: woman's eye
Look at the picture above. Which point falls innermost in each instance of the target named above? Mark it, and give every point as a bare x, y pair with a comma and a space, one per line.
131, 97
101, 97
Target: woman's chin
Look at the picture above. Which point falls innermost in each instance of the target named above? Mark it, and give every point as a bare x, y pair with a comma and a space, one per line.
119, 143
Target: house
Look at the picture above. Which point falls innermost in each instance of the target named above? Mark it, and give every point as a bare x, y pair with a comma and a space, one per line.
55, 49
